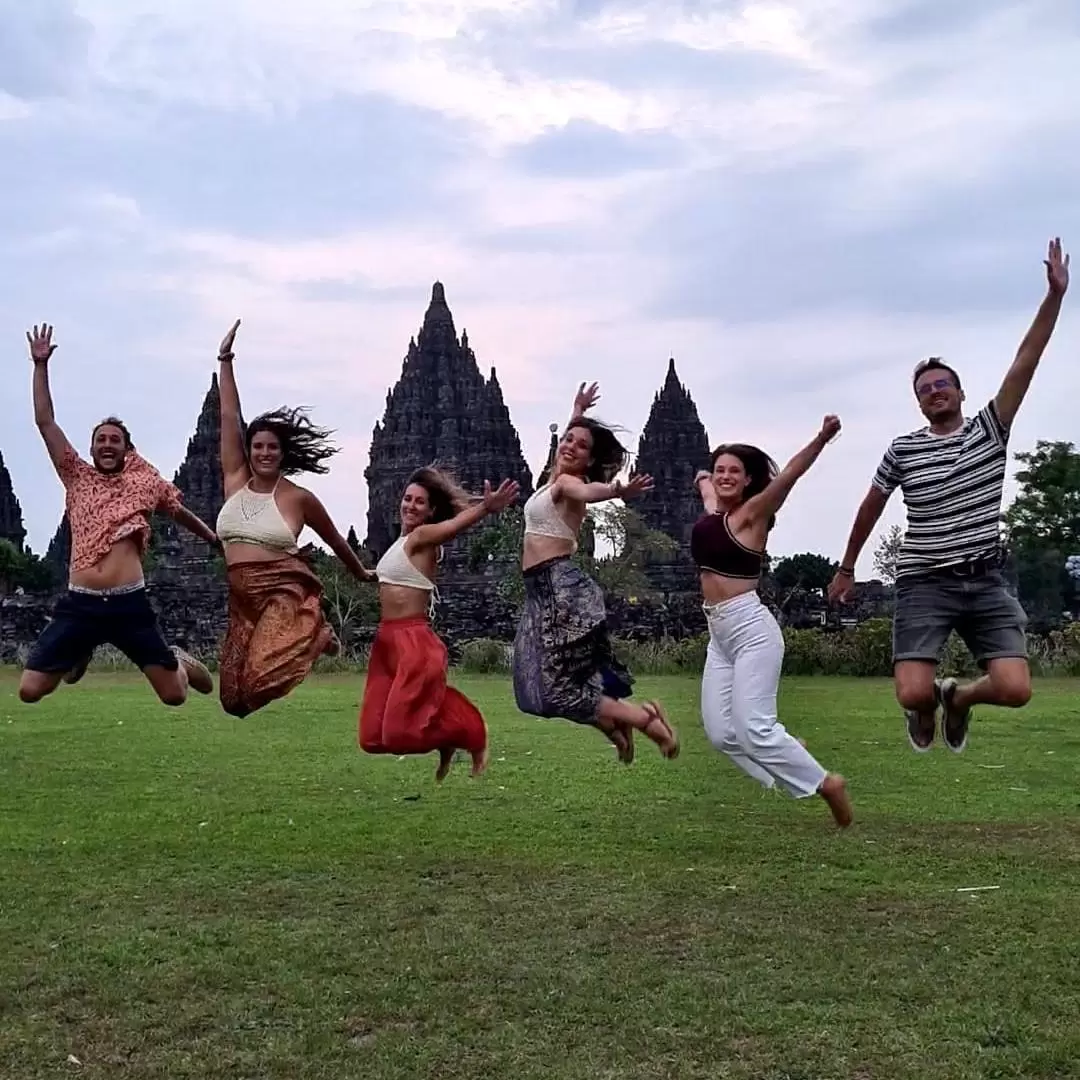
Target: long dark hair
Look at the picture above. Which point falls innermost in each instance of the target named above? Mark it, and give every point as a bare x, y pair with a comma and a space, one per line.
760, 469
304, 447
447, 497
609, 456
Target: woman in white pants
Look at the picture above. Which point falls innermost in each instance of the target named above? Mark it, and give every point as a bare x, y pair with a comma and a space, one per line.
742, 494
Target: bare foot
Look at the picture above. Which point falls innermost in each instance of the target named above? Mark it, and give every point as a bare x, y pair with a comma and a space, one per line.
199, 677
834, 791
479, 762
660, 731
446, 759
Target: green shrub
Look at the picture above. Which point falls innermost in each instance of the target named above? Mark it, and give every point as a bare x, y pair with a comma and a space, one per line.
485, 656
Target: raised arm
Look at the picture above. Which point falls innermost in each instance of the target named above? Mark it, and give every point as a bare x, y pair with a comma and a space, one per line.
1018, 378
571, 487
765, 504
193, 523
704, 486
316, 516
41, 350
234, 465
585, 398
493, 502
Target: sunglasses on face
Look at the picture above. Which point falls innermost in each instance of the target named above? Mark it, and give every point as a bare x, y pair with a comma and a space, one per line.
927, 388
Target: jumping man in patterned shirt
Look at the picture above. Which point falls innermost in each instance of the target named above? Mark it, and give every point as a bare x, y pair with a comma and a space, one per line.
951, 474
109, 504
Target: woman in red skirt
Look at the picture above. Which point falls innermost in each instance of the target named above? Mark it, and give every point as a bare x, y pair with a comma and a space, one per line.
407, 706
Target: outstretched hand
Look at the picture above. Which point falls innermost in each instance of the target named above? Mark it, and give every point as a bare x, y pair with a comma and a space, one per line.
636, 485
586, 398
1057, 268
499, 499
226, 347
839, 588
41, 346
830, 427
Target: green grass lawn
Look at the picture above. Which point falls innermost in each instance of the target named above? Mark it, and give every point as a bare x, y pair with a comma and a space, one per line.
189, 895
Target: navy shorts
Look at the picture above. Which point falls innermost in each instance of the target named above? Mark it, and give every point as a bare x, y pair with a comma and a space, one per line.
986, 616
82, 621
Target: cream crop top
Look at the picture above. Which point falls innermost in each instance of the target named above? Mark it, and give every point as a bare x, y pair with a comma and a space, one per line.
253, 517
396, 568
542, 518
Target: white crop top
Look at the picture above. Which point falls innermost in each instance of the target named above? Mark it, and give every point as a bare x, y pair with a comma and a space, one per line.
396, 568
542, 518
253, 517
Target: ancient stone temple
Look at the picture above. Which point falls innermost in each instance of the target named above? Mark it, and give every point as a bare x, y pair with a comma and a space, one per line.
58, 554
11, 519
440, 410
186, 578
673, 447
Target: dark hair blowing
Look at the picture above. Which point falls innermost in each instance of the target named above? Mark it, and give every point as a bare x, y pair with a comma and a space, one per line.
609, 456
304, 447
447, 497
760, 469
112, 421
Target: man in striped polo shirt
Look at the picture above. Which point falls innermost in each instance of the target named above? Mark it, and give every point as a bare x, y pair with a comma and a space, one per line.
951, 474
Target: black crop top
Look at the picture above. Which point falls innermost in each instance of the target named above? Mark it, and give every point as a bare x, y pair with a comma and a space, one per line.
713, 547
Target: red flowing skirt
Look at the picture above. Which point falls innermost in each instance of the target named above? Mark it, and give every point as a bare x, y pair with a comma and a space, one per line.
407, 706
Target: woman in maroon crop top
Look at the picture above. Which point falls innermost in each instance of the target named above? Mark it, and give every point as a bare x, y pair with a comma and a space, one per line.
742, 494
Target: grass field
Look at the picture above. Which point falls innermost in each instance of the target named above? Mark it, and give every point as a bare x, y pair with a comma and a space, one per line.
189, 895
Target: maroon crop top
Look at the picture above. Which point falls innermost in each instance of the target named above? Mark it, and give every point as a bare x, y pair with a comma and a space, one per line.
713, 547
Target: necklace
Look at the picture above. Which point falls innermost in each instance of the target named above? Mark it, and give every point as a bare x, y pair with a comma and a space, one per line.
250, 511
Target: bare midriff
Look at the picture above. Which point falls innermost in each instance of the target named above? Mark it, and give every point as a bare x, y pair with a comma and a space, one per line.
121, 565
538, 549
403, 602
715, 588
239, 552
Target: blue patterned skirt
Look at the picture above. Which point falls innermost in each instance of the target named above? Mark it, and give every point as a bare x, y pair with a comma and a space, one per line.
563, 661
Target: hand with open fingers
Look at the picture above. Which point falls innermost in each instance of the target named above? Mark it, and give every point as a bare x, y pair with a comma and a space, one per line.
226, 347
839, 588
587, 397
41, 343
635, 486
499, 499
1057, 268
830, 427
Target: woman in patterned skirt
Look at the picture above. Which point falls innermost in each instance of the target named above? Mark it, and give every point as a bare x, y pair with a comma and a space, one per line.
277, 629
563, 661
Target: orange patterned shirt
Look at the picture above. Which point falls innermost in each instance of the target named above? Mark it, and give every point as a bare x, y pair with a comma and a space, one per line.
104, 508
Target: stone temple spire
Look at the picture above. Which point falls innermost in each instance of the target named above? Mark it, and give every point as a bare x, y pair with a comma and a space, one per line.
11, 519
199, 476
441, 410
672, 448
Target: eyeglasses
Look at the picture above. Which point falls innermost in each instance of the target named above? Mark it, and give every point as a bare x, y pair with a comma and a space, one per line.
927, 388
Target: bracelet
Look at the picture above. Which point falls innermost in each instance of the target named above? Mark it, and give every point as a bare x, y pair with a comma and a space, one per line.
845, 571
616, 488
225, 357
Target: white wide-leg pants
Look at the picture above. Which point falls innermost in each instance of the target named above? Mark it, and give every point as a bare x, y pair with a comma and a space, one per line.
738, 697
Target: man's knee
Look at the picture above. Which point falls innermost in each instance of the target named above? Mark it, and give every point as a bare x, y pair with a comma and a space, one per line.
1012, 685
34, 685
915, 689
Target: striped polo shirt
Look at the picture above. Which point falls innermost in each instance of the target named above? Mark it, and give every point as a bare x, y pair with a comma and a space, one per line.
952, 487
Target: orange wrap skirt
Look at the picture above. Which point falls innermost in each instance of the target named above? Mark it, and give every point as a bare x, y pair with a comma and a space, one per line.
277, 630
407, 706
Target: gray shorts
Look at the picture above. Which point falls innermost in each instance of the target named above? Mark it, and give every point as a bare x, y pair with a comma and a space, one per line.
988, 619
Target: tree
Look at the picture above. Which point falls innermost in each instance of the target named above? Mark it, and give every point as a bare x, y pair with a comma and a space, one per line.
887, 554
10, 564
1042, 530
352, 539
807, 571
349, 604
23, 569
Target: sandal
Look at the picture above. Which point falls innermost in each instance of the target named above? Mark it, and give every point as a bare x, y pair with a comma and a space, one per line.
669, 746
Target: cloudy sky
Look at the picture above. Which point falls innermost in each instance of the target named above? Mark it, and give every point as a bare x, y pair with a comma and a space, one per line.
796, 200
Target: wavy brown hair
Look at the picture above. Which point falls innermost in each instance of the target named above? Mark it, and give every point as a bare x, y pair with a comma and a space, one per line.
760, 469
609, 456
305, 448
447, 497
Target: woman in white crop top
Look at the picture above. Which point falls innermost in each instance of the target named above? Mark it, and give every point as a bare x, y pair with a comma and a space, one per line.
563, 660
407, 706
277, 629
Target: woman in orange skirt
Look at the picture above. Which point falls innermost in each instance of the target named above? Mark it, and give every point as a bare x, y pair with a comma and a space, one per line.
407, 706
